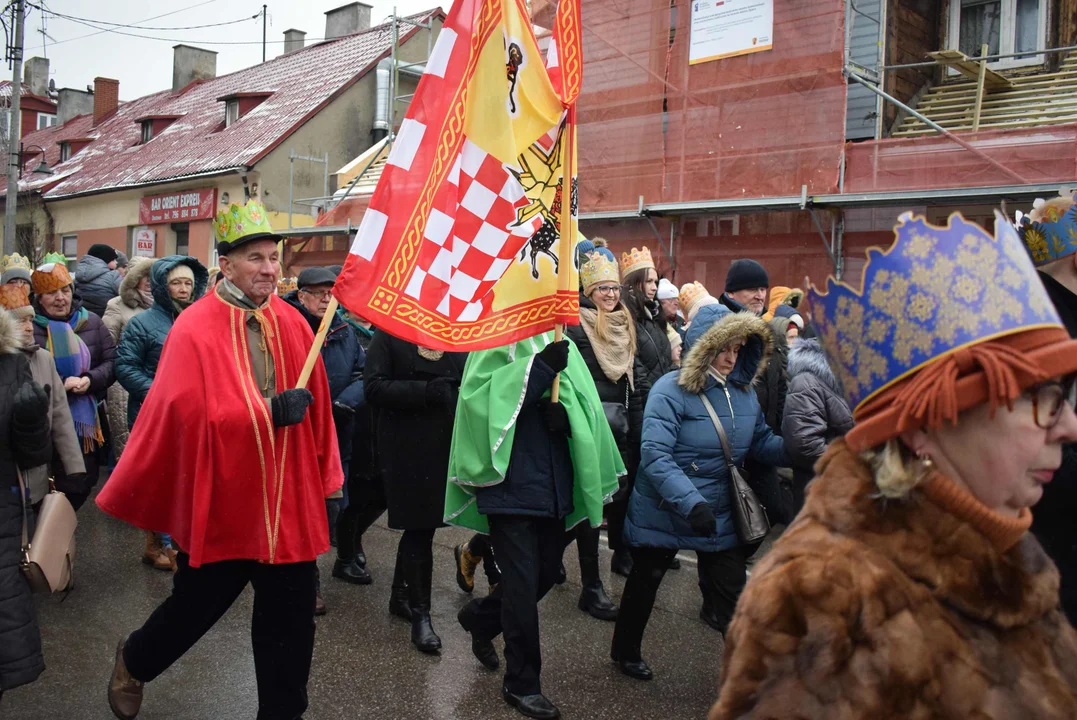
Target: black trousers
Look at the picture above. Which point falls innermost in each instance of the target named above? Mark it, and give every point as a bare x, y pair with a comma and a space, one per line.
366, 503
587, 539
282, 627
528, 552
479, 546
722, 576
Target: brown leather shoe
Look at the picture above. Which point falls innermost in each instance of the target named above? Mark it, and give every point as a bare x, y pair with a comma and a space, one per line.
319, 605
124, 692
154, 554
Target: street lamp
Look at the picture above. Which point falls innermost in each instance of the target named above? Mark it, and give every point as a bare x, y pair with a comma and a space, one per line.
43, 168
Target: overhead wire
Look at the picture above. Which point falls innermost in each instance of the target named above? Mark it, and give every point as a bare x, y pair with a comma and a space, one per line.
92, 22
155, 17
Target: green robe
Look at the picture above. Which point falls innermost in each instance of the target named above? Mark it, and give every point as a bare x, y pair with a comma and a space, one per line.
491, 396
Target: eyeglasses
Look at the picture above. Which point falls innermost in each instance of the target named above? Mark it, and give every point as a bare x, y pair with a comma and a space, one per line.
609, 289
319, 294
1048, 399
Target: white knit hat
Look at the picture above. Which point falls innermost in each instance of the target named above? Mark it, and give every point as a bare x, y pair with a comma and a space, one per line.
667, 290
182, 270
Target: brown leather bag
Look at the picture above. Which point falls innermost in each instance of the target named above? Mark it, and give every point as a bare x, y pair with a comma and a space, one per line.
47, 562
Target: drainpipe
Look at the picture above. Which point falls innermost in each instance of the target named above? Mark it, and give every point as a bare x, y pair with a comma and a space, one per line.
382, 101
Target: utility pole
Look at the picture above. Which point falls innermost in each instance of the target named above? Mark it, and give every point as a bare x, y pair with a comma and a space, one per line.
263, 33
13, 127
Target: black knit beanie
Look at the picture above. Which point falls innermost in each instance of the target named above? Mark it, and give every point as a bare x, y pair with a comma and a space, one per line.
102, 252
745, 274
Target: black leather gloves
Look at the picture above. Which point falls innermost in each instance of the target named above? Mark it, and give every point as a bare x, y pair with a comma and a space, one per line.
442, 392
555, 355
31, 401
702, 520
557, 418
290, 407
342, 414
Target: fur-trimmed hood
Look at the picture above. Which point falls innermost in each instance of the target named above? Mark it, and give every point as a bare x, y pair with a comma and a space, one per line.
758, 344
807, 356
137, 269
9, 334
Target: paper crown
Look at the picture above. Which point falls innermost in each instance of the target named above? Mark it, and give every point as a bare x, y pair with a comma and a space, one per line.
286, 285
935, 291
691, 293
597, 270
240, 224
15, 266
51, 275
1050, 230
13, 297
636, 260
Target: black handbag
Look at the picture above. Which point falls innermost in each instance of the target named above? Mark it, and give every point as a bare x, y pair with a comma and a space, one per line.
749, 515
617, 417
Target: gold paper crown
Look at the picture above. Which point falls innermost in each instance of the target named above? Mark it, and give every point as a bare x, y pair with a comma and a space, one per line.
286, 285
691, 293
13, 297
598, 269
15, 261
636, 260
50, 277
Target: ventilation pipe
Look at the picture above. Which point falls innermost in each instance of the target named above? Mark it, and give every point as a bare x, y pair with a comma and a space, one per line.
382, 102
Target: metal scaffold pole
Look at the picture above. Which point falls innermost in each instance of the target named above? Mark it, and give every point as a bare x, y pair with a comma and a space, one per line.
13, 128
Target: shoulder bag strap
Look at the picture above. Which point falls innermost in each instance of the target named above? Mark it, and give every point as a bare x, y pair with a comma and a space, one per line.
721, 430
25, 520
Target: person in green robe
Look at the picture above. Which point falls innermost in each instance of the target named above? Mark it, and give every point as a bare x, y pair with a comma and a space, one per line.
525, 469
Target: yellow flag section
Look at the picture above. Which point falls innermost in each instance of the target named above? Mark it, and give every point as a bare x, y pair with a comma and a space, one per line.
510, 99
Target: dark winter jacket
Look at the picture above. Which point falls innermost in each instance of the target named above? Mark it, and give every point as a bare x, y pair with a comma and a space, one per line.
99, 342
538, 481
412, 428
771, 387
682, 461
144, 337
816, 412
653, 350
24, 443
1053, 518
96, 283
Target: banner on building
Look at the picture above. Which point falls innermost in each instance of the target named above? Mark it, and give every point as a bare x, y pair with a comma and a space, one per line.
726, 28
460, 246
182, 206
144, 240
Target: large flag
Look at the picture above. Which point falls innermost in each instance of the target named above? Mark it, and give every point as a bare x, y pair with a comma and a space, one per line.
460, 248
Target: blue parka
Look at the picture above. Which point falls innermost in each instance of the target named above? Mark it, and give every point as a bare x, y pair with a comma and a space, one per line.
144, 337
682, 463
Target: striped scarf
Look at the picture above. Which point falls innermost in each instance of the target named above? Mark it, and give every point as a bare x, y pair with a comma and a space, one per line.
72, 359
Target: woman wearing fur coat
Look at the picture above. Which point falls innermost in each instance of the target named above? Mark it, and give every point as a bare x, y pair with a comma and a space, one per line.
909, 585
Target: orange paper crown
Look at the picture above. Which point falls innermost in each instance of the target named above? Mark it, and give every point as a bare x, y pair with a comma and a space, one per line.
691, 293
636, 260
50, 278
14, 297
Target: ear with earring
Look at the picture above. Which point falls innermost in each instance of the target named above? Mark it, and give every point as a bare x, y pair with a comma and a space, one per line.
925, 460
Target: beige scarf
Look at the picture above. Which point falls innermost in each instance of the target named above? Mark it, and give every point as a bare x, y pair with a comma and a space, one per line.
616, 356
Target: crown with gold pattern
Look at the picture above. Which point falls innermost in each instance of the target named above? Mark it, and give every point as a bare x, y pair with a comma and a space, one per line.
15, 266
16, 300
1050, 230
286, 285
598, 269
636, 260
934, 292
51, 275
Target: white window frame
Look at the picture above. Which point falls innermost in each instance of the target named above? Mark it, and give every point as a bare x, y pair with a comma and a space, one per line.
231, 112
147, 131
48, 118
1007, 35
65, 151
73, 237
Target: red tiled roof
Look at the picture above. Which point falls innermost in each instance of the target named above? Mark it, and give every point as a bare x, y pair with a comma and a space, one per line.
197, 143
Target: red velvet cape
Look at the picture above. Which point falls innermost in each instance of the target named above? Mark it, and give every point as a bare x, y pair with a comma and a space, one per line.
204, 462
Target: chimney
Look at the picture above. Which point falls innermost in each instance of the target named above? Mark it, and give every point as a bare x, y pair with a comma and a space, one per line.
190, 64
293, 40
73, 102
347, 20
106, 98
36, 76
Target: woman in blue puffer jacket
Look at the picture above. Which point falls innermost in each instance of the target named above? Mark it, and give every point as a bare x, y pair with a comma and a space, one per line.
681, 500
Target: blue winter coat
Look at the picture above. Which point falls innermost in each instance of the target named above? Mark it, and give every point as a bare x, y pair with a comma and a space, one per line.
144, 337
342, 354
97, 283
682, 463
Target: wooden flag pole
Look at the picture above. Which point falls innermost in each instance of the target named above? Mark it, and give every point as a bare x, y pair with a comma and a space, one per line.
319, 340
567, 248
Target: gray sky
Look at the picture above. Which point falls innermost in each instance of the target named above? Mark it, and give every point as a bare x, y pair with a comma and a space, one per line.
144, 66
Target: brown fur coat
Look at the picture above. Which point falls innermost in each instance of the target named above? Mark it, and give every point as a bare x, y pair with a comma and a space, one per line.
896, 609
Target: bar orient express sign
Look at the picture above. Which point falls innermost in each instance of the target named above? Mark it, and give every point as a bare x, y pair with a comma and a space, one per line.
182, 206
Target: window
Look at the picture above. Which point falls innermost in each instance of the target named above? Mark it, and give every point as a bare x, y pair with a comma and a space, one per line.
1005, 26
147, 131
182, 231
45, 120
65, 151
231, 112
69, 246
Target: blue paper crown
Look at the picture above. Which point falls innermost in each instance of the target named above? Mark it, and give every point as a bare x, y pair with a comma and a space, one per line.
934, 291
1053, 234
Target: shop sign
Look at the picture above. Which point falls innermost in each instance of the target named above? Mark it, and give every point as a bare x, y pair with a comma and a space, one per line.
145, 241
182, 206
725, 28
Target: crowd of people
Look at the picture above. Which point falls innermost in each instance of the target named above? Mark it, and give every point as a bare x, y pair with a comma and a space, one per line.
902, 570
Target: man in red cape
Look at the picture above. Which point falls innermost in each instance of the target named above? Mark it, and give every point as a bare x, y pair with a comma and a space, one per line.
235, 466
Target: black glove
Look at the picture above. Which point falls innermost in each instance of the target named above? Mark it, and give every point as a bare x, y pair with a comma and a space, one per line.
290, 407
342, 414
557, 419
555, 355
442, 392
702, 520
31, 401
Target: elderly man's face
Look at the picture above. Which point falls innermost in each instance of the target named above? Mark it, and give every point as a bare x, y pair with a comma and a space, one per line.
253, 268
755, 299
315, 298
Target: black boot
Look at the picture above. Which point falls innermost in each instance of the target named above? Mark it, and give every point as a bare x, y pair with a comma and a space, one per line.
398, 596
593, 599
419, 571
621, 564
351, 571
360, 556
